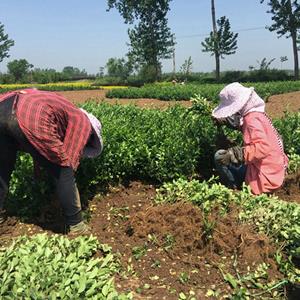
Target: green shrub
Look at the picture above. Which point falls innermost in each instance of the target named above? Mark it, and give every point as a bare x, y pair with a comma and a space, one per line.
209, 91
43, 267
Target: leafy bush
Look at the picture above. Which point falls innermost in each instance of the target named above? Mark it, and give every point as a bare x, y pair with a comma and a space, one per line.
209, 91
147, 144
61, 86
55, 267
142, 144
289, 128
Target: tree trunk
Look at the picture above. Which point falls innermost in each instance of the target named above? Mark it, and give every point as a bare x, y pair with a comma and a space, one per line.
295, 52
174, 64
217, 55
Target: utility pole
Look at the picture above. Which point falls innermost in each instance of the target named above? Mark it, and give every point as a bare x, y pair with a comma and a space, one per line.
174, 64
214, 23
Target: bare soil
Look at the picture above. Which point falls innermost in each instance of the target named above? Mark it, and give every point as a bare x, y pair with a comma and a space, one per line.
166, 249
275, 106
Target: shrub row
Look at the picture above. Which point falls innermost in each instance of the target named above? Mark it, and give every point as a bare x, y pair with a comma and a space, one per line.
209, 91
62, 86
43, 267
150, 145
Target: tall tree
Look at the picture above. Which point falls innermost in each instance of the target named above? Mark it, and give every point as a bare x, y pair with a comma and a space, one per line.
286, 18
118, 67
150, 38
19, 68
221, 40
5, 43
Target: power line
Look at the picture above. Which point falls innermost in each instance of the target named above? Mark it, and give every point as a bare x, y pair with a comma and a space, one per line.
206, 34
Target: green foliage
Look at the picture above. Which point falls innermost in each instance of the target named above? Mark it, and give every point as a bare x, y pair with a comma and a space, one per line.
54, 267
286, 16
223, 42
150, 39
62, 86
70, 72
147, 144
5, 43
186, 67
289, 129
286, 21
118, 67
27, 195
294, 162
19, 68
168, 91
46, 75
142, 144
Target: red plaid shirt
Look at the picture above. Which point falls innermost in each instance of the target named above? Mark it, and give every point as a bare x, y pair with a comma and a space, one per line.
53, 125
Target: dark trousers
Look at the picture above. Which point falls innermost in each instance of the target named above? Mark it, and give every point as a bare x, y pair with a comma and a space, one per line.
231, 175
12, 140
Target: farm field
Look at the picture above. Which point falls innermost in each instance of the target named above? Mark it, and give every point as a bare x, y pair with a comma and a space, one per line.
275, 106
180, 240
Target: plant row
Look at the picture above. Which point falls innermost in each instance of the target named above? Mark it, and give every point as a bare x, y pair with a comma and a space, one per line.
61, 86
55, 267
169, 91
152, 145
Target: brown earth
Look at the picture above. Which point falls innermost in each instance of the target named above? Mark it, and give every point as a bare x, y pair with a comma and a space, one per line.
275, 106
168, 249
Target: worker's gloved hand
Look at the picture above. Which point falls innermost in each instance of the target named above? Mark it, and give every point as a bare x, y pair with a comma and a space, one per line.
3, 216
237, 155
223, 157
219, 121
232, 122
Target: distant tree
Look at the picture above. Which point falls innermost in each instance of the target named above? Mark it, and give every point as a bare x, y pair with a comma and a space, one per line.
70, 72
150, 39
101, 72
46, 75
19, 68
286, 18
283, 59
264, 64
118, 67
186, 67
5, 43
221, 40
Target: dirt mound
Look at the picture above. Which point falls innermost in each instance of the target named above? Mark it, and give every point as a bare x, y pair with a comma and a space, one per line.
167, 249
290, 190
182, 228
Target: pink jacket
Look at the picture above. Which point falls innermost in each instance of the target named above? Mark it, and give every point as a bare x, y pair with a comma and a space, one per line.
264, 155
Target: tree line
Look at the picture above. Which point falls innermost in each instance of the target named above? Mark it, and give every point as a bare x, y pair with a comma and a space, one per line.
151, 39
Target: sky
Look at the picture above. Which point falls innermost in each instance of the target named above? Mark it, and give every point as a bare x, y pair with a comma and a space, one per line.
83, 34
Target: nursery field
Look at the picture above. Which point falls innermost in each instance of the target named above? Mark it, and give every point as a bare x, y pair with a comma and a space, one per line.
163, 227
276, 105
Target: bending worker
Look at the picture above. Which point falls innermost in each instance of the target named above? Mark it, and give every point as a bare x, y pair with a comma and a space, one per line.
261, 162
56, 134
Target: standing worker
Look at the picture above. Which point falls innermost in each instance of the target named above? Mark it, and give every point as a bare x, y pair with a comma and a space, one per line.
56, 134
261, 162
